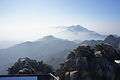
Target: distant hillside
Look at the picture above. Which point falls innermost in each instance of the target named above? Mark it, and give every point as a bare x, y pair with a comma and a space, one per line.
7, 44
47, 49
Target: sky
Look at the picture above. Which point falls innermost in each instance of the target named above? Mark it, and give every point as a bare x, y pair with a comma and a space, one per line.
31, 19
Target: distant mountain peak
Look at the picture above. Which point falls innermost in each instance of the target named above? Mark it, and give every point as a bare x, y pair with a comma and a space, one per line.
76, 28
49, 37
78, 33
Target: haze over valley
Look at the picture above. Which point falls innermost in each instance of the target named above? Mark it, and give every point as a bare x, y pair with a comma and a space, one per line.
70, 39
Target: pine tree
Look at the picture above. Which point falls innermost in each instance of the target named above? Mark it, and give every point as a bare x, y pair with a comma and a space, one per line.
29, 66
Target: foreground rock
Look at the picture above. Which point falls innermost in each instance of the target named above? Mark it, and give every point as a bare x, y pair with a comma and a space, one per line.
84, 63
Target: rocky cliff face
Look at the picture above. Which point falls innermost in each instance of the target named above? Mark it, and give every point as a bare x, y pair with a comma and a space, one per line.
84, 63
113, 40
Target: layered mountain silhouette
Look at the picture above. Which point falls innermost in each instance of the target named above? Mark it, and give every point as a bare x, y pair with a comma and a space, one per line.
75, 33
53, 50
48, 48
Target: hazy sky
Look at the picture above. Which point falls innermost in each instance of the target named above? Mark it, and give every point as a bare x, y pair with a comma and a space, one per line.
29, 19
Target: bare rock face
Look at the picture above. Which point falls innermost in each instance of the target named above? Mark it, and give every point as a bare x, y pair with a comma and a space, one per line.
113, 40
84, 63
108, 51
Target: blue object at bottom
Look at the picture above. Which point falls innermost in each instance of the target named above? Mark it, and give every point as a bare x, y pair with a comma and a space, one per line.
18, 78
